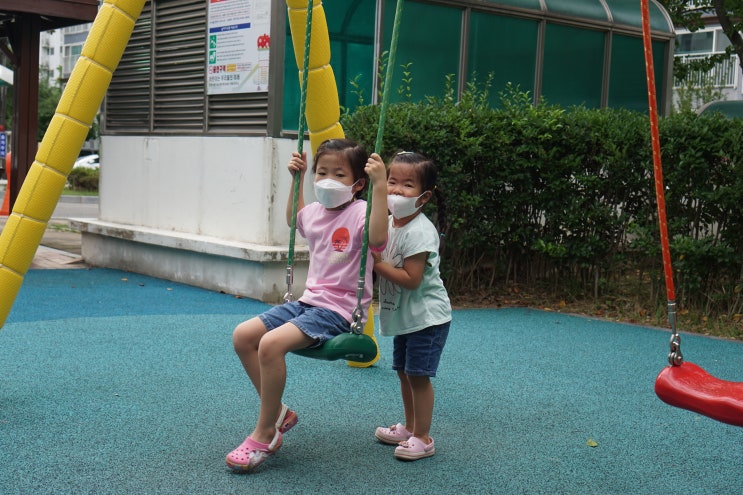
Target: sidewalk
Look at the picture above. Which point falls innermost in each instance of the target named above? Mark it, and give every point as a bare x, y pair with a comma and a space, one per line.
60, 246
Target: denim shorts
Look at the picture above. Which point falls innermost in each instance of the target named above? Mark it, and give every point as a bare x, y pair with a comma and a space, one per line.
319, 324
418, 353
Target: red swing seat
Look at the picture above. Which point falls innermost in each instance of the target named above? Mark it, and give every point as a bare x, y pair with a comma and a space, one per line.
689, 386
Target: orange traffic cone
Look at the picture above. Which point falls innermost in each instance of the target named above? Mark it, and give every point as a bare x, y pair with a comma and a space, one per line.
5, 210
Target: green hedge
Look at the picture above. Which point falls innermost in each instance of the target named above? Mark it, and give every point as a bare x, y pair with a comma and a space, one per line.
83, 179
565, 198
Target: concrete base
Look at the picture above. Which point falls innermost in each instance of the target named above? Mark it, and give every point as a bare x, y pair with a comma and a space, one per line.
249, 270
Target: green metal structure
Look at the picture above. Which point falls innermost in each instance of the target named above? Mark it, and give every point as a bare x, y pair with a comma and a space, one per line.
568, 52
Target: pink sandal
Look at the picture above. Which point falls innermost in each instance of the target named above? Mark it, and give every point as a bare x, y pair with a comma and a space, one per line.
393, 435
251, 454
413, 449
287, 419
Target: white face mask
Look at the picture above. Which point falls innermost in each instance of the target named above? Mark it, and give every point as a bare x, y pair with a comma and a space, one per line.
402, 206
331, 193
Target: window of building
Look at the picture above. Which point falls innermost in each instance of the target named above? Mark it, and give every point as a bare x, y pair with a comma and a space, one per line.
721, 41
698, 45
699, 42
69, 58
422, 61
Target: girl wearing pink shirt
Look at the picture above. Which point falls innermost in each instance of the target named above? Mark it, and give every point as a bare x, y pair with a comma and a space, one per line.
333, 227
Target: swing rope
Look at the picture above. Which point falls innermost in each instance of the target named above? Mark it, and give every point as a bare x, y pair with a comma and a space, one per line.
675, 358
354, 346
682, 384
357, 326
289, 296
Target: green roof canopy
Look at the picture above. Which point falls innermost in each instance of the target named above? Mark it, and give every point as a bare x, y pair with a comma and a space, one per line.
616, 12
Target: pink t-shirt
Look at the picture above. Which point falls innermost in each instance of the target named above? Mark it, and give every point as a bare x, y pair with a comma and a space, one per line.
334, 239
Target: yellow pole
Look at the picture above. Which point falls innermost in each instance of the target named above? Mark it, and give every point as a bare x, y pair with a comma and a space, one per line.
62, 142
323, 108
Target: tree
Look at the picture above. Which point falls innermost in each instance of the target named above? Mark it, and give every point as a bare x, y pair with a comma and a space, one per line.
689, 13
49, 96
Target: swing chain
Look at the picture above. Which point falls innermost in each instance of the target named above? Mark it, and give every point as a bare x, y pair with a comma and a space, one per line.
357, 327
358, 313
675, 358
289, 296
297, 176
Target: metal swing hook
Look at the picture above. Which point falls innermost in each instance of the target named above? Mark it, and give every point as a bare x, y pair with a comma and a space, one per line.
357, 327
675, 357
289, 296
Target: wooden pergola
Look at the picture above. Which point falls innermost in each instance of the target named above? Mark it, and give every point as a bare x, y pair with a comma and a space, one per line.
21, 24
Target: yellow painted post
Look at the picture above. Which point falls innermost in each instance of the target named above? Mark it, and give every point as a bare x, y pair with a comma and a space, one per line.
323, 108
62, 142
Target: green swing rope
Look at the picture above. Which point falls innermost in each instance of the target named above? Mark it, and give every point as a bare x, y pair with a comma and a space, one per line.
289, 296
356, 326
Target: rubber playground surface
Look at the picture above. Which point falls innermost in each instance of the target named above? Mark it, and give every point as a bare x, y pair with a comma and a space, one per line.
116, 383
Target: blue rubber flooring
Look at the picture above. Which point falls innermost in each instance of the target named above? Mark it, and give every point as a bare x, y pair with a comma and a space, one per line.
117, 383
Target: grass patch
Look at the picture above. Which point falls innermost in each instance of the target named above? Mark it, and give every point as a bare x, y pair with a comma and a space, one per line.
61, 227
72, 192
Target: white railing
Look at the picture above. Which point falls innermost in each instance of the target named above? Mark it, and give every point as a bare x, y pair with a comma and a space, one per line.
725, 74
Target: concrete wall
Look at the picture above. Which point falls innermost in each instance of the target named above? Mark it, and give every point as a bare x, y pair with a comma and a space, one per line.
206, 211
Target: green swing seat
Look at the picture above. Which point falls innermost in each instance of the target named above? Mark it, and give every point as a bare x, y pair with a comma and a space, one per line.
349, 346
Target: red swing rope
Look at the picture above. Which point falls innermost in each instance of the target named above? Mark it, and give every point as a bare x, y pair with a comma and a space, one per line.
675, 357
683, 385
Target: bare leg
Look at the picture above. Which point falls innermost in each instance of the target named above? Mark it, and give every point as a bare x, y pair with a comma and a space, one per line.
245, 338
407, 400
422, 394
271, 378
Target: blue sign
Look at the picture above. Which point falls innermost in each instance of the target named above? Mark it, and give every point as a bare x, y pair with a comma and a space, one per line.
3, 143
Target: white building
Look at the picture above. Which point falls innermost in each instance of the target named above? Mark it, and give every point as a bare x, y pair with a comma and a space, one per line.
50, 54
727, 76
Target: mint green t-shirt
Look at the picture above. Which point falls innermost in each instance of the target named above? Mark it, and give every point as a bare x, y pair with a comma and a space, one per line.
404, 311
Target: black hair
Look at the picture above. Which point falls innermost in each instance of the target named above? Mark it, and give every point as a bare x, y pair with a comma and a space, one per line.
427, 174
354, 153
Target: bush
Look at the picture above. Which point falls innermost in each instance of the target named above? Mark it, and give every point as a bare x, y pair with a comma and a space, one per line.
543, 195
83, 179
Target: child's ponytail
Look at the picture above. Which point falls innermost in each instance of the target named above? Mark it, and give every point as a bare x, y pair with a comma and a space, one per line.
440, 218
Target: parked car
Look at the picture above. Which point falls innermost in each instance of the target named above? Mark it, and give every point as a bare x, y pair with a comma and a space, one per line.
87, 161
